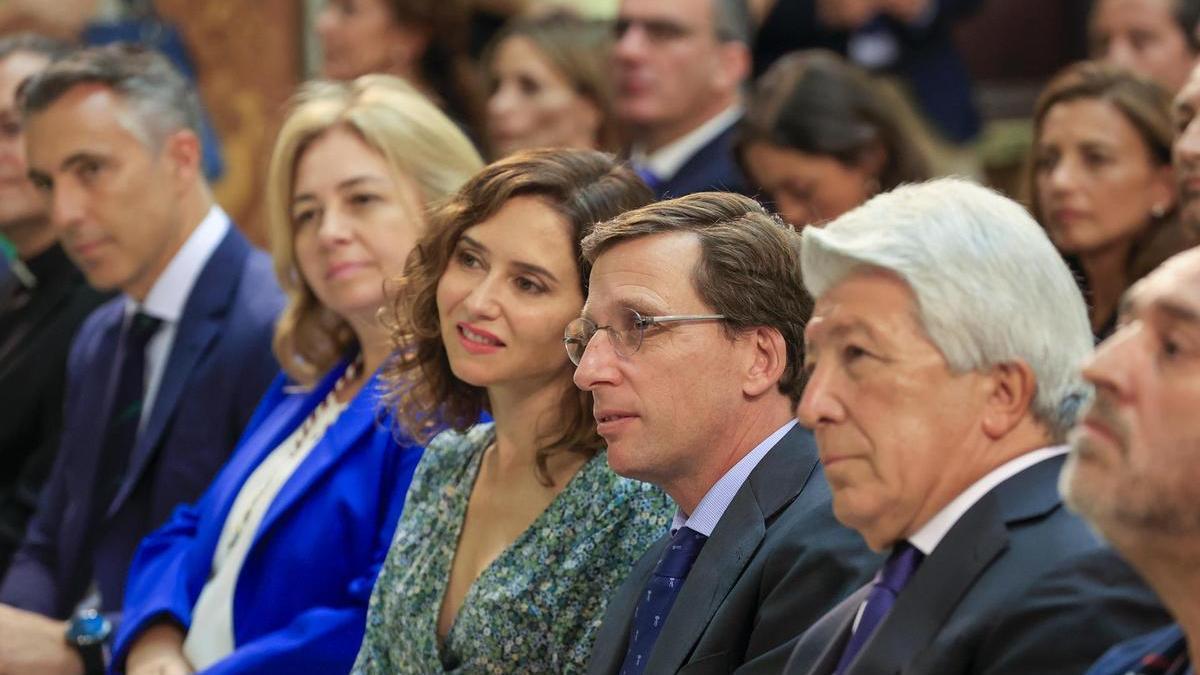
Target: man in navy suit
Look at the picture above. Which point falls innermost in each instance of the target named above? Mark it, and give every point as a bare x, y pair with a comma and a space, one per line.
160, 380
696, 397
1134, 469
679, 67
943, 358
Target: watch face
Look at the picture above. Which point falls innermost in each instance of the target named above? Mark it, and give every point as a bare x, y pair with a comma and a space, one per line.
89, 627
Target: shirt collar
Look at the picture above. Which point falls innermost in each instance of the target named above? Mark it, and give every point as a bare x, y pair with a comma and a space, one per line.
710, 509
665, 162
171, 290
932, 532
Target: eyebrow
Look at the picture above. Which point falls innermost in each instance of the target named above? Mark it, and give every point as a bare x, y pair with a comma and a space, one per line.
353, 181
519, 264
1173, 308
79, 158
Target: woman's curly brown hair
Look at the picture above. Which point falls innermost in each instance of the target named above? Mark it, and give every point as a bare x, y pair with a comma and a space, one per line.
585, 187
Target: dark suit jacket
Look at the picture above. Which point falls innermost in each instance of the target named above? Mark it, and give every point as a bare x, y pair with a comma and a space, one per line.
713, 167
219, 366
34, 341
1018, 585
776, 561
1166, 644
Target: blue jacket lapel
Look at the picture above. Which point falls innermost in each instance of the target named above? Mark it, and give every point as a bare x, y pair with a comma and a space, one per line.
356, 420
200, 324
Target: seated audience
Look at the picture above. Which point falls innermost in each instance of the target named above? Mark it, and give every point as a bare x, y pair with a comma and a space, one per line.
1101, 181
515, 532
943, 358
111, 135
819, 139
1134, 468
550, 86
1185, 152
43, 307
301, 517
679, 68
422, 41
910, 42
1156, 39
702, 311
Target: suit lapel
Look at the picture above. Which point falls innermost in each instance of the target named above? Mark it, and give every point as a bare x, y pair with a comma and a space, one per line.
774, 483
199, 325
612, 640
941, 581
842, 618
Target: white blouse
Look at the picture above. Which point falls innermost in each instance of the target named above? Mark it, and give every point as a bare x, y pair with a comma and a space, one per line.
210, 637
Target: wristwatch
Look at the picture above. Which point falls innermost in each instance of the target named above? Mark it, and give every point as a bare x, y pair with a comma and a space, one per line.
88, 632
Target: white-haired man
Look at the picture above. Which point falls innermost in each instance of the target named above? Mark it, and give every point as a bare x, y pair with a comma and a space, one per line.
942, 358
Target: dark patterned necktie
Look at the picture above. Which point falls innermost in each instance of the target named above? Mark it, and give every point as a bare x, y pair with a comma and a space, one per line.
895, 574
126, 412
659, 595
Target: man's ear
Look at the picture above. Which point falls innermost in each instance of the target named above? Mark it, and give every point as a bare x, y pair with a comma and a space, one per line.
183, 151
733, 65
1011, 388
766, 363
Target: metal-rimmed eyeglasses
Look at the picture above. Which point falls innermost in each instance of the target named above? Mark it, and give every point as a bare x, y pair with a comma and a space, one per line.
626, 332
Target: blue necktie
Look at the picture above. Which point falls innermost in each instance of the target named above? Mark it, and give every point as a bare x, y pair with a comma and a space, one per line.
895, 574
658, 596
649, 177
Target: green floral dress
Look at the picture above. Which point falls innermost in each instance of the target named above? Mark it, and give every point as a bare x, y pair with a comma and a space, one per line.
537, 607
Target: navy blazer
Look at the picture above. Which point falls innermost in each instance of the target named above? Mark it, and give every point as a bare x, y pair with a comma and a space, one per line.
300, 605
221, 359
713, 167
776, 561
1018, 585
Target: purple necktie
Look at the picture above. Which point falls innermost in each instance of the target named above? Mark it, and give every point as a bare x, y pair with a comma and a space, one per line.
895, 574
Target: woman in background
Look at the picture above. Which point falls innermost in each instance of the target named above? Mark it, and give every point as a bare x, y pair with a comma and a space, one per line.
819, 138
1101, 181
549, 83
272, 569
423, 41
515, 532
1156, 39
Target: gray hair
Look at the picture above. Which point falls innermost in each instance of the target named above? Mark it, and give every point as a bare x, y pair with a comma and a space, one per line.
990, 288
32, 43
731, 19
161, 99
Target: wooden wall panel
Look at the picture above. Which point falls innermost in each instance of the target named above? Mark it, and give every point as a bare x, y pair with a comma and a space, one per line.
248, 56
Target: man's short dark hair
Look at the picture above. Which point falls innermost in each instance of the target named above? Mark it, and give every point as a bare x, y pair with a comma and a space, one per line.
161, 98
749, 268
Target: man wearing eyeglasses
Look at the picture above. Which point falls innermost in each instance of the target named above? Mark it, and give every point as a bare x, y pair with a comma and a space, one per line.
690, 342
678, 69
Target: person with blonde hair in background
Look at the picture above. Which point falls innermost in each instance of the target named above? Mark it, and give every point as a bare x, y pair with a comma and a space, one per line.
271, 570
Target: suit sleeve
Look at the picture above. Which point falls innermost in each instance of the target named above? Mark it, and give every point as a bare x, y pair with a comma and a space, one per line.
1070, 617
30, 582
327, 639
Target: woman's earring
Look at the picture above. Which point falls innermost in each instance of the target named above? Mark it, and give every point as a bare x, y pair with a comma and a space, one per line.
1158, 210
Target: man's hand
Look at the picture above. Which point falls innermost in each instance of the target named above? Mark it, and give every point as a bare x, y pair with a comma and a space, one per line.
31, 644
158, 651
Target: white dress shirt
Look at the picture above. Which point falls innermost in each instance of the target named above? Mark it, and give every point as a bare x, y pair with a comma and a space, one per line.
714, 503
169, 294
665, 162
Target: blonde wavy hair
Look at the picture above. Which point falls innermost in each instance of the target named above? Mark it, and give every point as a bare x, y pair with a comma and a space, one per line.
413, 136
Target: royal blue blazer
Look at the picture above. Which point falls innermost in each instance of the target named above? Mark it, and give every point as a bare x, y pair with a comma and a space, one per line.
300, 602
